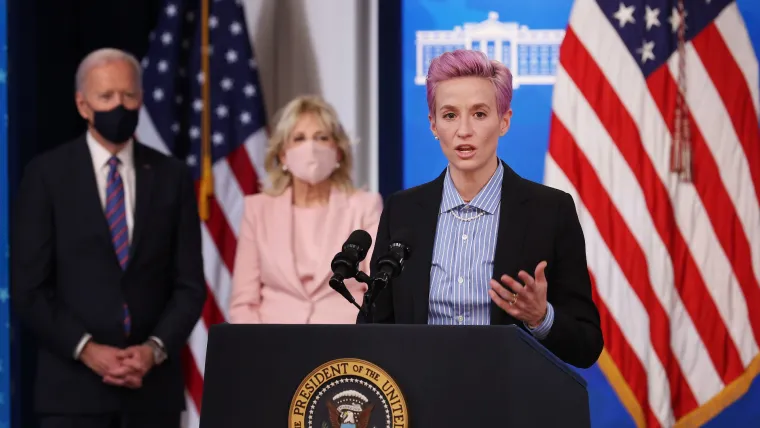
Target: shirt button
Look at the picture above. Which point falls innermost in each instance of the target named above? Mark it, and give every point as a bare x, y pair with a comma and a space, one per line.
461, 280
464, 237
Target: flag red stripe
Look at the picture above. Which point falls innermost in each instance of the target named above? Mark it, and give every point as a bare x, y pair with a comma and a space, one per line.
627, 253
211, 314
732, 87
623, 130
223, 236
193, 378
624, 356
225, 242
242, 168
718, 205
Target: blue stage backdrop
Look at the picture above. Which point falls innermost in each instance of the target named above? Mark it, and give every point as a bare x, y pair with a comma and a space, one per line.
4, 251
431, 27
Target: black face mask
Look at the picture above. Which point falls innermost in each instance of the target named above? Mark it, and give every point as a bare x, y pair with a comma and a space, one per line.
116, 125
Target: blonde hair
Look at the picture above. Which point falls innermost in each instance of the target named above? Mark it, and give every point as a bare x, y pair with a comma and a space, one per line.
285, 120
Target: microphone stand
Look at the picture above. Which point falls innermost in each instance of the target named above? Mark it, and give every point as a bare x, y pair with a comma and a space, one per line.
363, 277
373, 290
368, 305
337, 284
379, 282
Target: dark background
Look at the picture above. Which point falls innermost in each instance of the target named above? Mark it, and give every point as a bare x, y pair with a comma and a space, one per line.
46, 41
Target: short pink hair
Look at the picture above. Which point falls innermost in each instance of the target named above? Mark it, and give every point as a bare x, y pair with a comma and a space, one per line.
469, 63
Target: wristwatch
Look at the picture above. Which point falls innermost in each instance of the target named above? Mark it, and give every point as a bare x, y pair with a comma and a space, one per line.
159, 353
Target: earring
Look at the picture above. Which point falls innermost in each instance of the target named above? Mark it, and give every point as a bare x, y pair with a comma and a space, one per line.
435, 136
285, 168
337, 165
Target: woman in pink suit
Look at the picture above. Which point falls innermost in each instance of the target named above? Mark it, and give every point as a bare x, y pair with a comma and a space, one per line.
291, 231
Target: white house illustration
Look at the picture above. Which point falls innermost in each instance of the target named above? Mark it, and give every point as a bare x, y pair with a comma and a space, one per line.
531, 55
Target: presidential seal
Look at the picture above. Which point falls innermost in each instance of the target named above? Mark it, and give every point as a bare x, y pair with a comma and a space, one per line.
348, 393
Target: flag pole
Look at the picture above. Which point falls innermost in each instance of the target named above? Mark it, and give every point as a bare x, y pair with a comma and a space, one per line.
206, 189
681, 150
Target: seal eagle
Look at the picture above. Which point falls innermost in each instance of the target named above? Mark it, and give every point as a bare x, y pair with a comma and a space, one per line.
336, 419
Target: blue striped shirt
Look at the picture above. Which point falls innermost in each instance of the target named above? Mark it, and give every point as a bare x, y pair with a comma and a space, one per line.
465, 242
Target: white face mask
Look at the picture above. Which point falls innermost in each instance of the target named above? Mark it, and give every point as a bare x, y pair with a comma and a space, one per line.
311, 162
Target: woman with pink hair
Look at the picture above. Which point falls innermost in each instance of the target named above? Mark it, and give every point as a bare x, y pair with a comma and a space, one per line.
487, 246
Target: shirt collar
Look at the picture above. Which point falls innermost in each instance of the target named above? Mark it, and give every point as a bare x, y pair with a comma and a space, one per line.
486, 200
100, 155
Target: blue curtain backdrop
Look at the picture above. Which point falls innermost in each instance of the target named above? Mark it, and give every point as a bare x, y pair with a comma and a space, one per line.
4, 312
525, 145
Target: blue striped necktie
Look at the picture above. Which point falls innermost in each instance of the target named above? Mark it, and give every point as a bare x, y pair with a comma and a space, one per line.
116, 214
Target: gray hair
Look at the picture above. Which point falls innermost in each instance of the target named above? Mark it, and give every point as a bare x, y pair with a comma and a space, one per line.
104, 56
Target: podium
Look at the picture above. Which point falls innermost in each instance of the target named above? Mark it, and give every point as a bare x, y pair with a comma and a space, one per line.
386, 376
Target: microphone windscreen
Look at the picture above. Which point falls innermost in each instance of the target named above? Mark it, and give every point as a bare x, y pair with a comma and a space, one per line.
359, 238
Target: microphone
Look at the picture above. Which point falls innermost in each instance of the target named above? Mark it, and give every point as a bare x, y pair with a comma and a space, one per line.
392, 263
389, 266
345, 264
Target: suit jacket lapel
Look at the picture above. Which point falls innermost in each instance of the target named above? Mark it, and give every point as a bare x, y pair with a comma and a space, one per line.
513, 224
418, 273
333, 234
86, 194
144, 185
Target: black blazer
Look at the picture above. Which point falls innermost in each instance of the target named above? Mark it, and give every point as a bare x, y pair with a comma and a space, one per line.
536, 223
66, 280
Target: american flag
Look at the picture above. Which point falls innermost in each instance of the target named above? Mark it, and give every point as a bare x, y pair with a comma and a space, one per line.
675, 263
171, 121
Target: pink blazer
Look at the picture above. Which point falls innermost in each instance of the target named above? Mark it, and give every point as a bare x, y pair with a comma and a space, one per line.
265, 285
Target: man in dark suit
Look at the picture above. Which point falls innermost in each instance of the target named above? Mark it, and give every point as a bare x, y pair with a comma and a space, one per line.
106, 263
479, 227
